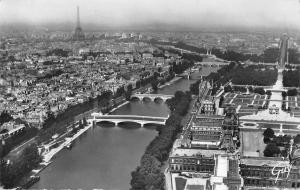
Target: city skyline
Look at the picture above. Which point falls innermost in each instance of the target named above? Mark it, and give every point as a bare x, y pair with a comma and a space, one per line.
150, 94
196, 14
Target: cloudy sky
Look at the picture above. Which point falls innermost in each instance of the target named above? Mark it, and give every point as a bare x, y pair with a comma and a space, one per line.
249, 13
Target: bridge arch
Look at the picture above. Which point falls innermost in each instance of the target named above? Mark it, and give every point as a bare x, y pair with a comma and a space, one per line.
107, 121
152, 97
132, 122
146, 98
152, 123
159, 99
135, 98
142, 120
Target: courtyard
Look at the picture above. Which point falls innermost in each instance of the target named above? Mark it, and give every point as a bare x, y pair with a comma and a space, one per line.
252, 143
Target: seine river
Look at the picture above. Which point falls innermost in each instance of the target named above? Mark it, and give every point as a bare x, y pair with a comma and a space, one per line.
104, 156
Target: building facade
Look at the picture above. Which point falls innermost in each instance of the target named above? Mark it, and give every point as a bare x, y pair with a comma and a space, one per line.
269, 172
206, 132
195, 163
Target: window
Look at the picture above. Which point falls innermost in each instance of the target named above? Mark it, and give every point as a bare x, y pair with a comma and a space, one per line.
172, 167
247, 181
257, 182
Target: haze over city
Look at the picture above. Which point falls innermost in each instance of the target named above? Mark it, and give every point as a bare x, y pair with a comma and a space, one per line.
150, 94
194, 14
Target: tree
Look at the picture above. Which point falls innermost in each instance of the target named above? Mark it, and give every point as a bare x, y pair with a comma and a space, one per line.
138, 180
297, 139
149, 174
104, 99
194, 88
120, 91
162, 81
240, 89
284, 94
129, 87
250, 88
292, 92
266, 140
268, 133
228, 88
138, 84
5, 117
294, 56
244, 75
154, 85
50, 119
291, 78
128, 93
268, 92
12, 173
260, 91
84, 121
80, 125
271, 150
156, 75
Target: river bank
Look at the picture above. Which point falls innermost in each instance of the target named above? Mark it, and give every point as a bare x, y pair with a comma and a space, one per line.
63, 142
67, 141
170, 82
149, 174
114, 109
102, 150
185, 122
47, 156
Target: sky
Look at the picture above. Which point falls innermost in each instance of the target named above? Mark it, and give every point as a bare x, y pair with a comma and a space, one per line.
189, 13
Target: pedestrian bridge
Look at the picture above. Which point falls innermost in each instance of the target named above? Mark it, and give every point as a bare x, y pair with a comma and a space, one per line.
117, 119
152, 97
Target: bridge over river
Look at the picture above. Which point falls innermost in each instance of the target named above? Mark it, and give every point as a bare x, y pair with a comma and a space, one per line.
101, 153
153, 97
116, 119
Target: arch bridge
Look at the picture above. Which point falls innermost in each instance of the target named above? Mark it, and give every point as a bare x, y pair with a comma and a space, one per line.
152, 96
213, 64
142, 120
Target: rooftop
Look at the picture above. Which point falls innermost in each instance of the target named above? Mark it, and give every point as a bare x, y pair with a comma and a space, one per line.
261, 161
196, 152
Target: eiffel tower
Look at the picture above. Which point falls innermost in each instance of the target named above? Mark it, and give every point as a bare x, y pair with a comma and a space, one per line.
78, 34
